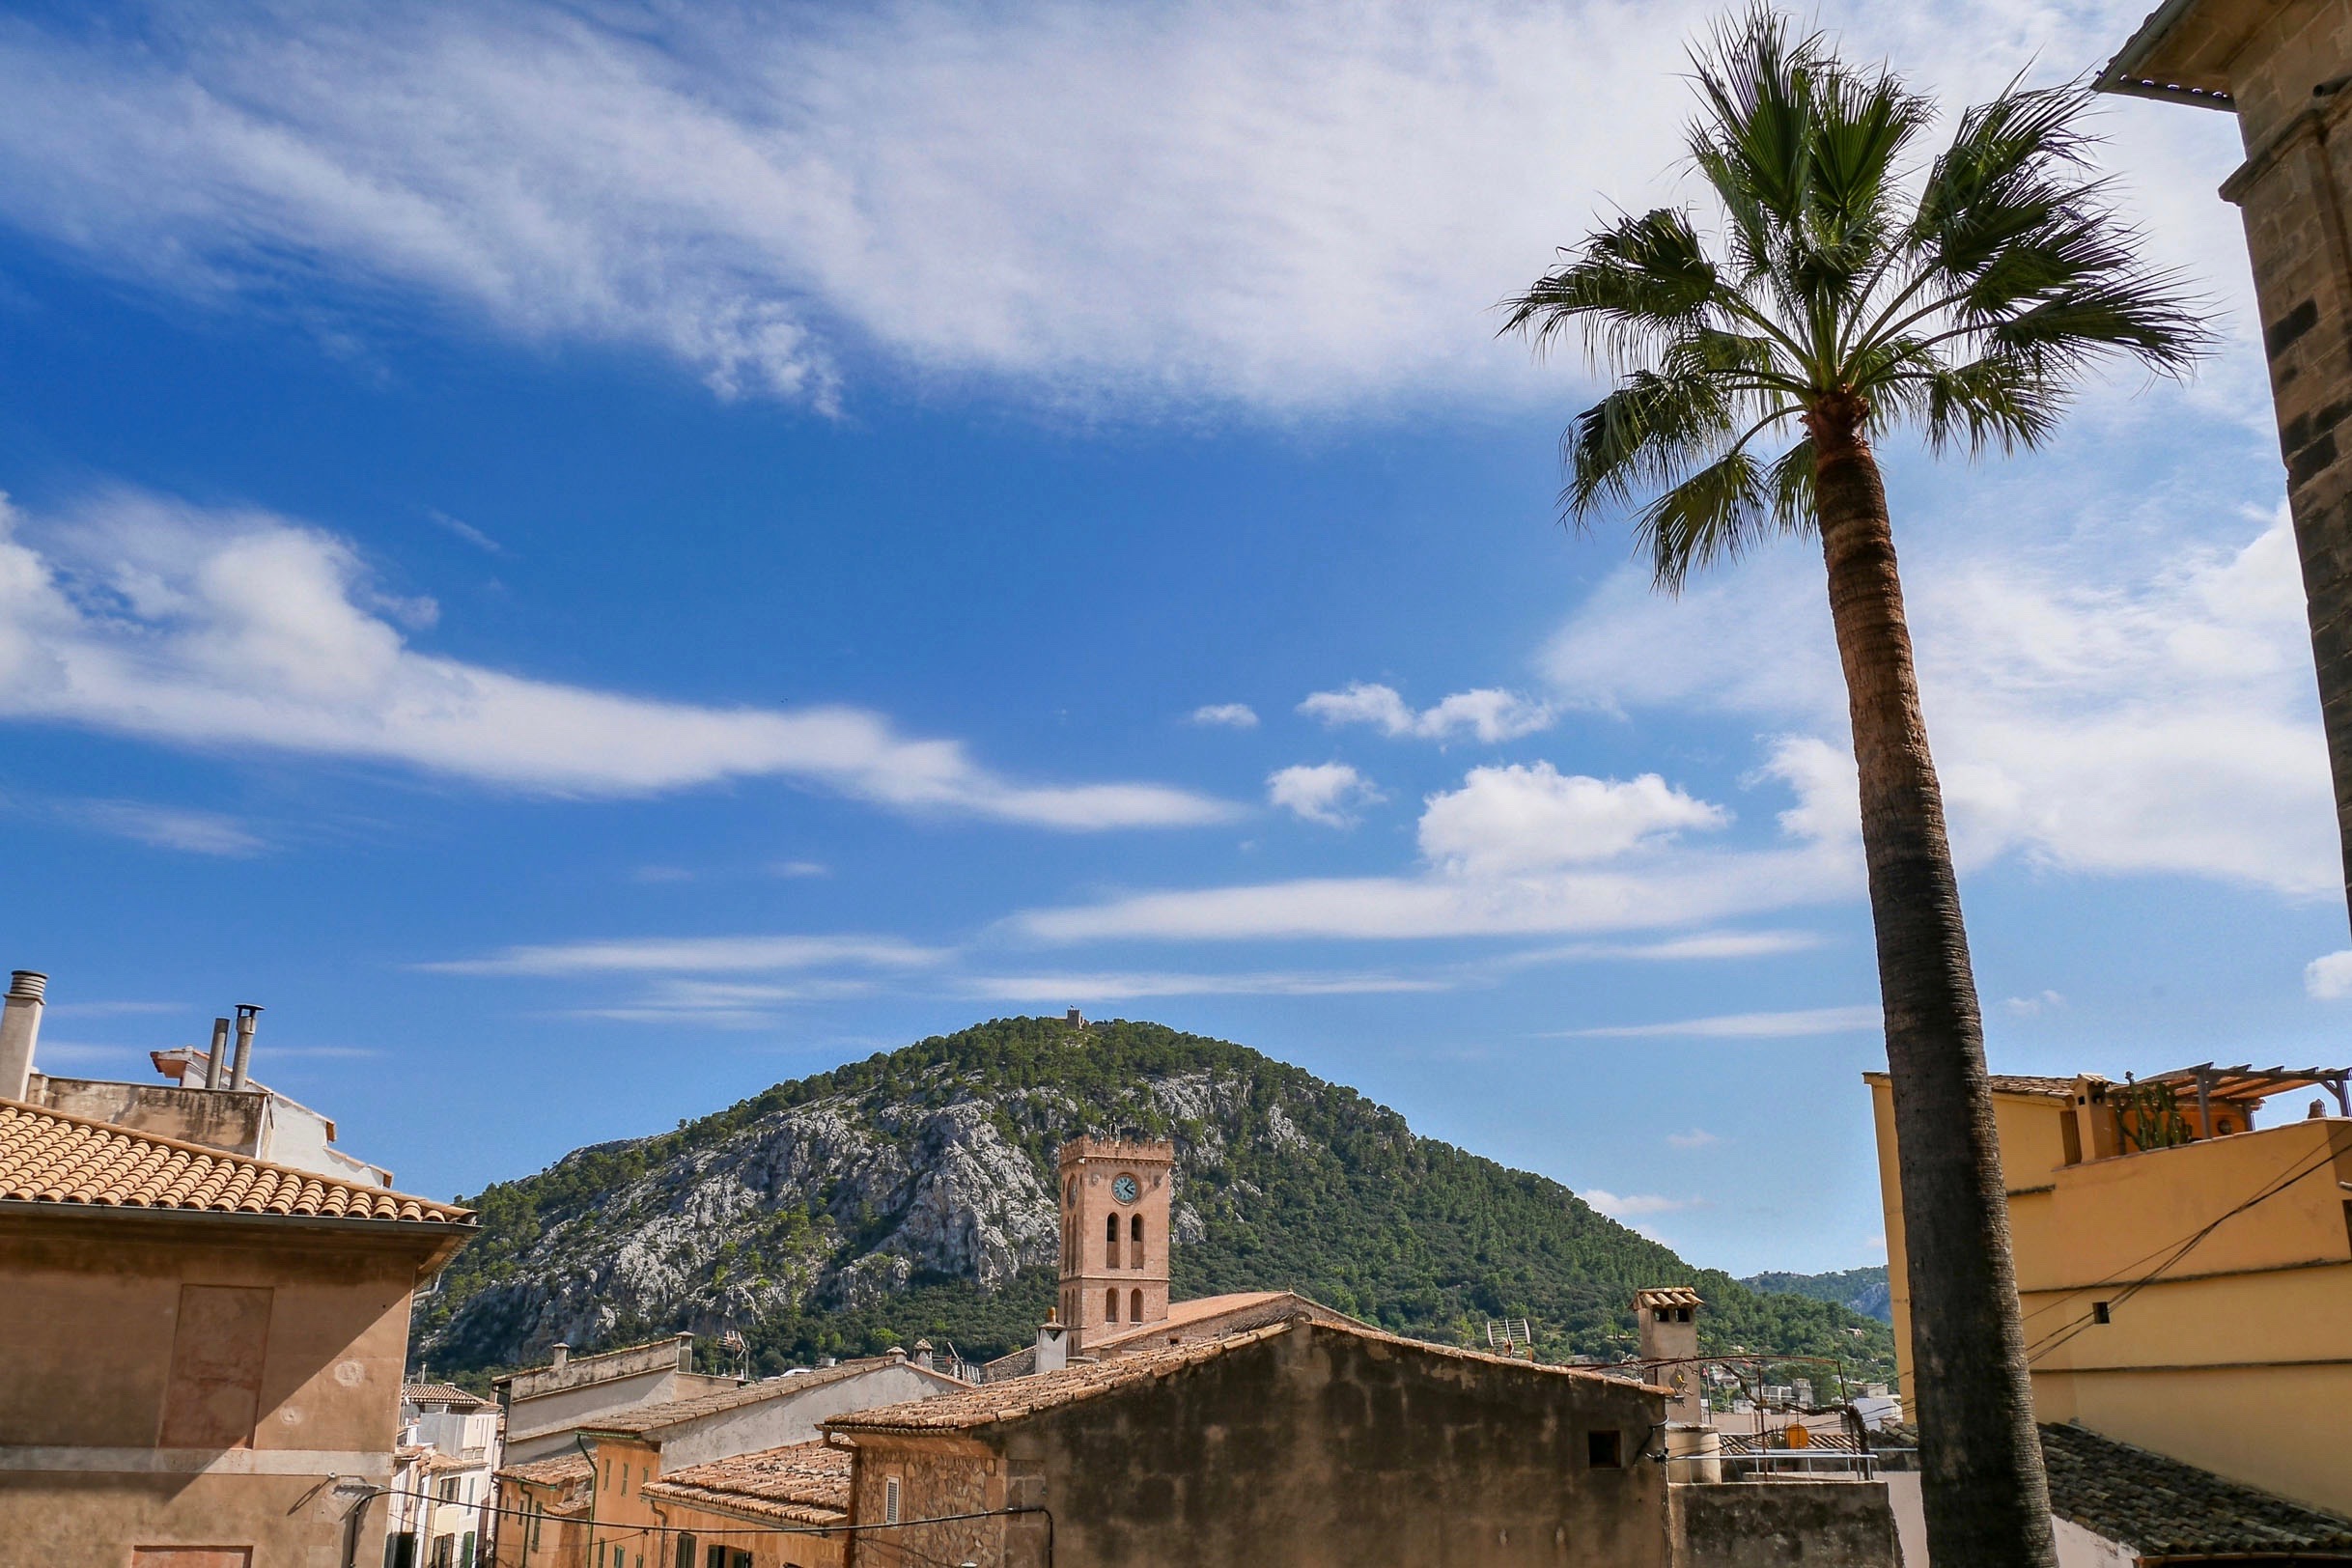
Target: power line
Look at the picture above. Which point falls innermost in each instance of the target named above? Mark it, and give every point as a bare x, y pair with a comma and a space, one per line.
2066, 1331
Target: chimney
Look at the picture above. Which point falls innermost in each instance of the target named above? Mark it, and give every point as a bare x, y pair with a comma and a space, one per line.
563, 1354
922, 1354
1052, 1344
216, 1065
248, 1017
686, 1353
19, 1029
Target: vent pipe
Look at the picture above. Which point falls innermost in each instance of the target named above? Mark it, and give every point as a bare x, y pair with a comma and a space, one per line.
247, 1016
216, 1065
19, 1029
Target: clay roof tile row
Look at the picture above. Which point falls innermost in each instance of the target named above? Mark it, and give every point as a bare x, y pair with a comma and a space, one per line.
50, 1157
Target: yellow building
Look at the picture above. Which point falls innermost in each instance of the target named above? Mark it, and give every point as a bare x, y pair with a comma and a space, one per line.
2186, 1273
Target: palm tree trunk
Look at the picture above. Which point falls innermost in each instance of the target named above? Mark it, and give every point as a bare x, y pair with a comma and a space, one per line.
1987, 1501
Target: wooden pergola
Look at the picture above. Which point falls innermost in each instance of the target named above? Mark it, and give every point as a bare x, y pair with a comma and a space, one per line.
2245, 1081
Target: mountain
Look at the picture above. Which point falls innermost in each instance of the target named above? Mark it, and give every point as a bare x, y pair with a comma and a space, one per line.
912, 1194
1860, 1289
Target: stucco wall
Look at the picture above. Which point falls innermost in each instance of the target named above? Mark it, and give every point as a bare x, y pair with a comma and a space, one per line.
92, 1308
793, 1418
1315, 1449
559, 1414
1784, 1525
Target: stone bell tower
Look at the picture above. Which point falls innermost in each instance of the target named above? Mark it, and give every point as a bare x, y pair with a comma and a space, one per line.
1115, 1201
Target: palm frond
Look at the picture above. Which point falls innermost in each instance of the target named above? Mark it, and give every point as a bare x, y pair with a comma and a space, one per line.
1641, 280
1646, 434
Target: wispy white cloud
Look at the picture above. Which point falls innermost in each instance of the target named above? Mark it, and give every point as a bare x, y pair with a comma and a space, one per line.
697, 955
141, 616
171, 827
1796, 1024
1489, 714
2097, 704
459, 528
1231, 715
1699, 945
1484, 873
1326, 792
2047, 1002
1086, 986
1633, 1205
1111, 203
1697, 1137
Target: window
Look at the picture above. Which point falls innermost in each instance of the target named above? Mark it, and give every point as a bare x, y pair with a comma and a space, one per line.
2099, 1312
2348, 1220
1111, 1305
1110, 1241
1660, 1314
214, 1391
1134, 1255
1682, 1314
1605, 1450
890, 1500
191, 1556
686, 1549
1135, 1307
2070, 1137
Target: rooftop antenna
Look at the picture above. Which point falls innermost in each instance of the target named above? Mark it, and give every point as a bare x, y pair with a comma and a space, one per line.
1511, 1336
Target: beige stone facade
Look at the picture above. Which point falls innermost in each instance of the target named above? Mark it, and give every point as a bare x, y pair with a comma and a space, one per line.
202, 1351
2283, 68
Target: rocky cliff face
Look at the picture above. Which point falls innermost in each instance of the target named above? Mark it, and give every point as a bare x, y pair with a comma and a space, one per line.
914, 1193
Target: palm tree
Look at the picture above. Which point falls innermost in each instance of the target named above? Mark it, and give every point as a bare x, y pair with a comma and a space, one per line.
1850, 294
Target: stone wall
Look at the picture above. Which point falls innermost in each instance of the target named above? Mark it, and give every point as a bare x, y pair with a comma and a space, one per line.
1326, 1448
1784, 1524
2292, 192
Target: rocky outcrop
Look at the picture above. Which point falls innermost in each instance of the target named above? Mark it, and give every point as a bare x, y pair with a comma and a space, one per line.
835, 1204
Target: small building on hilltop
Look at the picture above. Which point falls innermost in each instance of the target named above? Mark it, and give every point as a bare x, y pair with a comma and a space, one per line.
2184, 1263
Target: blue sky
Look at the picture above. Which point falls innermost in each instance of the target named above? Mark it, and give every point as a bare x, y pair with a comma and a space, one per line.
594, 558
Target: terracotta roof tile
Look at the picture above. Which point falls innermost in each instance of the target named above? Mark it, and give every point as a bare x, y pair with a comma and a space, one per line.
1014, 1398
804, 1483
48, 1156
439, 1393
554, 1471
1667, 1296
651, 1418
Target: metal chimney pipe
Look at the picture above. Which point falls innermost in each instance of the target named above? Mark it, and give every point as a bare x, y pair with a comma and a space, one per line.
216, 1065
247, 1016
20, 1029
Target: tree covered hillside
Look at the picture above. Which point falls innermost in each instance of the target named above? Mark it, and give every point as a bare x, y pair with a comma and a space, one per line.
912, 1194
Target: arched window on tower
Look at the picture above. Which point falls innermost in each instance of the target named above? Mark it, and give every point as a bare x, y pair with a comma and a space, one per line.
1111, 1305
1134, 1255
1135, 1304
1110, 1241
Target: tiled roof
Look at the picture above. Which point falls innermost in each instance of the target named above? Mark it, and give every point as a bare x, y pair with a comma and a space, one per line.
439, 1393
2166, 1508
48, 1156
645, 1419
555, 1472
805, 1483
1668, 1295
2040, 1088
1009, 1401
1185, 1314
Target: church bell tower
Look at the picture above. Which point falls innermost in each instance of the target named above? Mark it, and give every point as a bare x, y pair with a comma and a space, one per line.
1115, 1202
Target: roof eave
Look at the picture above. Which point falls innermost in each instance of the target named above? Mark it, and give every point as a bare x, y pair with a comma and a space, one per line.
446, 1237
2126, 75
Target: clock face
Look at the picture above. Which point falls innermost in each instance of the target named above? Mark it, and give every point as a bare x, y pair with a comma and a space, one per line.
1124, 1188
